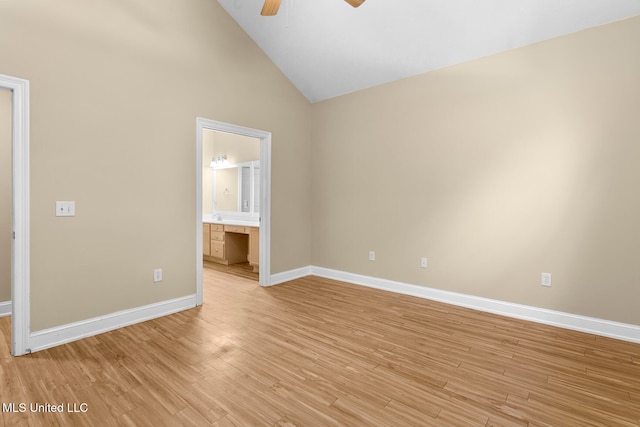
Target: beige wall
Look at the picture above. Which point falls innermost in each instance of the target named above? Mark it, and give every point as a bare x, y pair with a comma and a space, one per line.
496, 170
5, 195
115, 91
237, 148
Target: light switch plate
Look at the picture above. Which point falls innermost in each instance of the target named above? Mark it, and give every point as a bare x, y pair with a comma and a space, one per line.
65, 208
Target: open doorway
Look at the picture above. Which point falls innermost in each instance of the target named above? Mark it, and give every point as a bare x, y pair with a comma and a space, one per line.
18, 107
238, 210
231, 203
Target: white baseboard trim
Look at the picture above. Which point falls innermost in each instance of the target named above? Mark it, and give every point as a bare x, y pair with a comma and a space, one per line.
5, 308
607, 328
286, 276
58, 335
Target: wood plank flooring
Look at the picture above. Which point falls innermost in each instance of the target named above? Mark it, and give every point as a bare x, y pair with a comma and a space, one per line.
314, 352
242, 269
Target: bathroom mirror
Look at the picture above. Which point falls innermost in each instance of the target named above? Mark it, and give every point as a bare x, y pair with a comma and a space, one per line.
230, 177
236, 189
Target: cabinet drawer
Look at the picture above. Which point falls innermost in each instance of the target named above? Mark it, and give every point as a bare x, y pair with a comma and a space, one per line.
217, 227
217, 249
217, 235
235, 229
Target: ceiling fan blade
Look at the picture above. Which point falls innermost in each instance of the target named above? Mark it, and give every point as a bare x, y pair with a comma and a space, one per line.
355, 3
270, 7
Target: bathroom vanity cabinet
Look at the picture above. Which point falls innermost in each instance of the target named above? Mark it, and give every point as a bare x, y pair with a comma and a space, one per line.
231, 244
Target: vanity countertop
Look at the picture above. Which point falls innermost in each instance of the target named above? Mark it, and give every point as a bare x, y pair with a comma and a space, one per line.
209, 219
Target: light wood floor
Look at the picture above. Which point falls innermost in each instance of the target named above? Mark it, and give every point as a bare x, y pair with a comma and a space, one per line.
242, 269
314, 352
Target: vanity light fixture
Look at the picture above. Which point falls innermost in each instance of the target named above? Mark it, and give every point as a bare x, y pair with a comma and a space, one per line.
219, 161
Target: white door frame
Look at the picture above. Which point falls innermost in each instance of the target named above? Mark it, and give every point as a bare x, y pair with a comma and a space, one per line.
20, 262
265, 196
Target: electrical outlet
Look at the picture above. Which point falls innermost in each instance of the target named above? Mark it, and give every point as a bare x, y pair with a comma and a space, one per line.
67, 208
423, 263
372, 256
157, 275
545, 279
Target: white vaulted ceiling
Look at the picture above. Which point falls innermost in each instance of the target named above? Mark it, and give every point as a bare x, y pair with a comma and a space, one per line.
327, 48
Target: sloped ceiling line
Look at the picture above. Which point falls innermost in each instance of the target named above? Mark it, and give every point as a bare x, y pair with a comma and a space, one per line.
327, 48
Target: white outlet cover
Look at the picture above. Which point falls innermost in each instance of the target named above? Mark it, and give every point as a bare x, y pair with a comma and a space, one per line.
65, 208
545, 279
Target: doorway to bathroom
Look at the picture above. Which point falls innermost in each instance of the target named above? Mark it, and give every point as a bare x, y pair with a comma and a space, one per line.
233, 199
